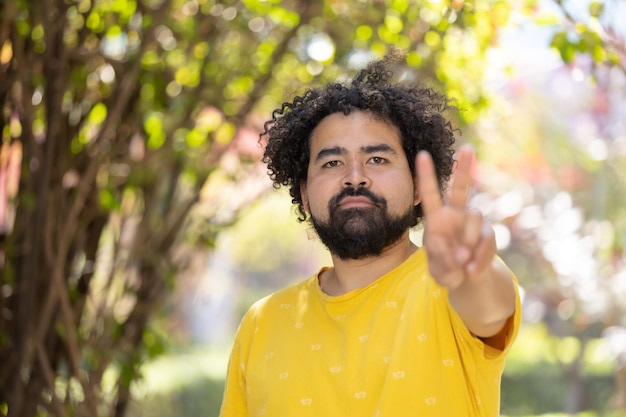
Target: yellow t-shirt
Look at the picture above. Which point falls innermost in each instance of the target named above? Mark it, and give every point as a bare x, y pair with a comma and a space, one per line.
394, 348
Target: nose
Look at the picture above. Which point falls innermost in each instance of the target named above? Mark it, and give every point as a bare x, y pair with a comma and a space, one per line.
356, 177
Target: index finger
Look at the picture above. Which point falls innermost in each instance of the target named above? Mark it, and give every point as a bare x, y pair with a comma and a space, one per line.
428, 186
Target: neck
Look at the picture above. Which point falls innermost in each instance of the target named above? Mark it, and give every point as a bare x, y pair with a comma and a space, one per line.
351, 274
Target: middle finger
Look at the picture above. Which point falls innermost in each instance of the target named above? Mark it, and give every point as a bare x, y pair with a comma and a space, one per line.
462, 179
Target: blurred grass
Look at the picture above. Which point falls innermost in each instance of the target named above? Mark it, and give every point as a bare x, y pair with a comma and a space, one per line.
534, 346
534, 382
183, 384
583, 414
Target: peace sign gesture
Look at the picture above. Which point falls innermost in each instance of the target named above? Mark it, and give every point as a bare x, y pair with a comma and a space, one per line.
459, 244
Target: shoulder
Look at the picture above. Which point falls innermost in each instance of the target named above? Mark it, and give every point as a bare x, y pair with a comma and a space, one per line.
281, 300
271, 310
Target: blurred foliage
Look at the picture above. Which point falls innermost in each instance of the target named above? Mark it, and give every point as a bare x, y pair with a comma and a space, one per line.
534, 382
594, 32
556, 195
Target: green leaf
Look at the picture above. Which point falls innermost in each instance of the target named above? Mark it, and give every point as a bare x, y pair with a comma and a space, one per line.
225, 133
564, 46
95, 23
97, 114
596, 8
500, 13
153, 343
546, 18
364, 32
394, 24
400, 5
108, 200
195, 138
155, 140
37, 33
153, 123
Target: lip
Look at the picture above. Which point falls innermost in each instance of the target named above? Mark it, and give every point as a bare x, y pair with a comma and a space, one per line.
356, 202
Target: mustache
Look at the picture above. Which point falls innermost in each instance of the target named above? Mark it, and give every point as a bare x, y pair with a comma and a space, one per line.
354, 192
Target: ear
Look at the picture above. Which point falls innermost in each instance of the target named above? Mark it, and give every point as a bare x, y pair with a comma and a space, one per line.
304, 196
416, 188
417, 198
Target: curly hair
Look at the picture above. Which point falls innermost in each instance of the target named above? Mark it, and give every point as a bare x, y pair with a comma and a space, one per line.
418, 113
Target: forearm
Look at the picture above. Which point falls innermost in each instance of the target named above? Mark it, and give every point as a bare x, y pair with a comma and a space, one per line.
485, 303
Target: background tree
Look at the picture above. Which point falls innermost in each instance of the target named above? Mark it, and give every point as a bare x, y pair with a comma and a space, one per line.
560, 187
115, 115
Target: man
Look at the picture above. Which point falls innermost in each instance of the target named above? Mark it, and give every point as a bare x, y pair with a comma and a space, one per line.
390, 329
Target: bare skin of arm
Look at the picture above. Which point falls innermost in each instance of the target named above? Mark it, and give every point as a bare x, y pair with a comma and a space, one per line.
461, 251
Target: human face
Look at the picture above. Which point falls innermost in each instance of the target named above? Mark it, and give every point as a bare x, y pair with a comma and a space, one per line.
359, 189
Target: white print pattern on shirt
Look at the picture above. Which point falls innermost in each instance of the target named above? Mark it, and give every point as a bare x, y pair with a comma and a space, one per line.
306, 401
459, 333
363, 338
316, 346
360, 395
422, 337
448, 363
398, 374
430, 400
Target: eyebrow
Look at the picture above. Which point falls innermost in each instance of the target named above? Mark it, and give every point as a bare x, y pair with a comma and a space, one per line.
383, 147
339, 150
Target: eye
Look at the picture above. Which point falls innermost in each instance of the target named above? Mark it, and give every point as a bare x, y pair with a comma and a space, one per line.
377, 160
330, 164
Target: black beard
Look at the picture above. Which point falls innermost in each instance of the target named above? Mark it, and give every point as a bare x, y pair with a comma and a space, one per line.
361, 232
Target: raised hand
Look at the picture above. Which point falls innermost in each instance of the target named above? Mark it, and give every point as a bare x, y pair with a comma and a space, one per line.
459, 244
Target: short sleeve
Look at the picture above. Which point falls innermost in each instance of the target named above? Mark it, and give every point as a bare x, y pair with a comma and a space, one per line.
510, 330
